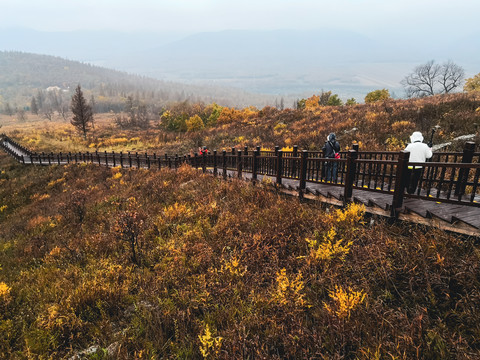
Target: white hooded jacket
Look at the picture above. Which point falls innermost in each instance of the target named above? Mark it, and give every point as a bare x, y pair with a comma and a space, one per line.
419, 152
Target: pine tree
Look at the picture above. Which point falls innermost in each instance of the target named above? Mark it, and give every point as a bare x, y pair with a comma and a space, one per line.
82, 112
34, 106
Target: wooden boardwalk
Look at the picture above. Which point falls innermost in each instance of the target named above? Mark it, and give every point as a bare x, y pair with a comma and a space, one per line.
448, 196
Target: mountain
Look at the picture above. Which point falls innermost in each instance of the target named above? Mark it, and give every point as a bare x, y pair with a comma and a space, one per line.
286, 63
22, 75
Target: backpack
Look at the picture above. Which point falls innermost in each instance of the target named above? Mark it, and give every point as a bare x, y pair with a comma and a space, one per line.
336, 154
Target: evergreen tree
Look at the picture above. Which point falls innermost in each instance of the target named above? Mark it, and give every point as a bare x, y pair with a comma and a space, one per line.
82, 112
34, 106
8, 109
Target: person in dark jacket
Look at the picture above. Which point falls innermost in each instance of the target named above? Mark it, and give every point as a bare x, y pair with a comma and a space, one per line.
331, 148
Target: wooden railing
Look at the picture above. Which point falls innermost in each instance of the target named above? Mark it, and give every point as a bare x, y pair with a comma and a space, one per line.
455, 179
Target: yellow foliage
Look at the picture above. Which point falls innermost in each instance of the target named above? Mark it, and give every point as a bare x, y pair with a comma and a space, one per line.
3, 207
118, 175
371, 117
233, 267
280, 127
209, 345
194, 123
394, 144
329, 248
55, 251
289, 290
55, 182
312, 102
229, 115
38, 197
402, 126
472, 84
4, 291
344, 301
177, 212
351, 215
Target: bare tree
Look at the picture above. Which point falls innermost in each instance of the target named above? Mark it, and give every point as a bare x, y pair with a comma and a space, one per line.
48, 113
451, 77
430, 79
82, 112
64, 111
21, 115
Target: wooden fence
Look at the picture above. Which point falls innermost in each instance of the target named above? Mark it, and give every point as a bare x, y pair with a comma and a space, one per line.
448, 177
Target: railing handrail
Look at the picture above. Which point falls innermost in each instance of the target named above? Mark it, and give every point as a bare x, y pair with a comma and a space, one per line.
352, 170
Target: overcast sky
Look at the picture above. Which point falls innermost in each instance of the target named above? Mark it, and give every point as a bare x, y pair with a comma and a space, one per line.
439, 17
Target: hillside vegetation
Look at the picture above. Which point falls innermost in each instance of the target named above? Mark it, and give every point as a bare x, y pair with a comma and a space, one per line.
183, 126
125, 263
149, 264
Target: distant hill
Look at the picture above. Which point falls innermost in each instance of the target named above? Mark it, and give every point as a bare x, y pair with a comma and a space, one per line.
24, 74
283, 63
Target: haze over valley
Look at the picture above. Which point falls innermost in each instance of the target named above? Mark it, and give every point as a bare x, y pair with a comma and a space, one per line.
278, 63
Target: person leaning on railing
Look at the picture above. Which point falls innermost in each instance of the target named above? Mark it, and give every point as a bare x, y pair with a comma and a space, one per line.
331, 150
419, 153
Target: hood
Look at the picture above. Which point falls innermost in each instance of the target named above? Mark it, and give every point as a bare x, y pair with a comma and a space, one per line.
331, 137
416, 136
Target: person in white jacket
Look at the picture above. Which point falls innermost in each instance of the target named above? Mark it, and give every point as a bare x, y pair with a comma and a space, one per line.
419, 153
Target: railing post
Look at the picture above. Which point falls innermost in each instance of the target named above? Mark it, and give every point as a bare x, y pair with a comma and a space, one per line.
148, 162
121, 159
215, 170
23, 159
233, 158
279, 166
303, 174
195, 160
467, 158
294, 161
400, 181
114, 160
255, 165
277, 148
129, 159
159, 161
175, 161
355, 147
224, 163
239, 164
138, 160
204, 161
106, 158
245, 159
350, 176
